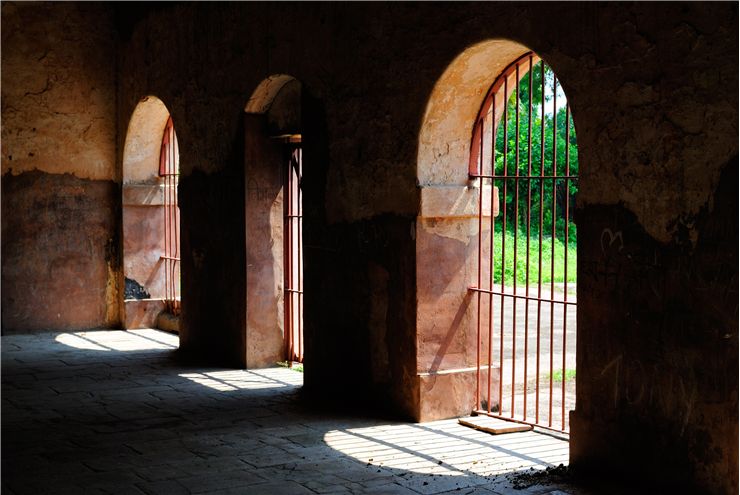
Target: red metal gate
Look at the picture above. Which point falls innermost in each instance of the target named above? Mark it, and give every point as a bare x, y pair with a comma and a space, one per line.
523, 151
293, 255
169, 170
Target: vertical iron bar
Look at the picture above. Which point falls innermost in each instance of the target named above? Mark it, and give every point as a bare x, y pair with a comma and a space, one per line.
505, 116
554, 233
490, 254
286, 260
300, 254
516, 242
172, 215
163, 173
167, 223
294, 238
565, 262
480, 262
168, 181
529, 220
165, 152
539, 267
289, 239
176, 167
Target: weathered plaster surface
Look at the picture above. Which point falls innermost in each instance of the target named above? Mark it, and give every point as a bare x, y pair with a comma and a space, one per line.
59, 252
58, 89
655, 133
657, 364
264, 167
143, 142
60, 208
450, 115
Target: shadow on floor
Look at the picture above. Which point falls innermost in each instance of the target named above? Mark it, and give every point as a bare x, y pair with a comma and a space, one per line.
115, 412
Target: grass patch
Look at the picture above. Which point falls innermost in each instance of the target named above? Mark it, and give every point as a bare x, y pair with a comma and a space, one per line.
570, 375
556, 272
296, 366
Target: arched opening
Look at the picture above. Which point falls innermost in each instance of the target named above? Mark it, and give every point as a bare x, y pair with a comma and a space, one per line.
524, 159
457, 209
274, 231
151, 219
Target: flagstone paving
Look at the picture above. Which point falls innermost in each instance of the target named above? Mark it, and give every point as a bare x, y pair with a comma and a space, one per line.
114, 412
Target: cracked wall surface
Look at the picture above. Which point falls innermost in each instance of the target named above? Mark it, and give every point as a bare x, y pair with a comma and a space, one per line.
60, 202
58, 103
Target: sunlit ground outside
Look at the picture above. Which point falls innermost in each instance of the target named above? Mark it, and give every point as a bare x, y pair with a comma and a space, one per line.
527, 354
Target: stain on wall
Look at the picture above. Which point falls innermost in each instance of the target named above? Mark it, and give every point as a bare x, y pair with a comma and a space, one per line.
60, 206
59, 252
58, 89
657, 364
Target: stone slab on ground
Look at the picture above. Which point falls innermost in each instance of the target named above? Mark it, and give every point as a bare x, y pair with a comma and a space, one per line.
493, 425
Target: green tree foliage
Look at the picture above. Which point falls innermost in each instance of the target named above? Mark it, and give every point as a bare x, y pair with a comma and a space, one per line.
541, 202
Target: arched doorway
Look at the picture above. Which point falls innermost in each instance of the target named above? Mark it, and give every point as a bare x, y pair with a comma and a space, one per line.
524, 160
456, 205
151, 219
273, 213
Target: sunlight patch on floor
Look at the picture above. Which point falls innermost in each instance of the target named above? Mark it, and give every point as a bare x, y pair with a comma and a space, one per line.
247, 379
72, 340
119, 340
448, 449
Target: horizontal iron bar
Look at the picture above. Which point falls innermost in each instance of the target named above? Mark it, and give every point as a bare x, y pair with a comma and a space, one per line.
521, 296
525, 177
169, 258
294, 291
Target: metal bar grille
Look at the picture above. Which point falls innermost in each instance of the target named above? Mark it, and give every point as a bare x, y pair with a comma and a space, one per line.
293, 255
169, 170
523, 145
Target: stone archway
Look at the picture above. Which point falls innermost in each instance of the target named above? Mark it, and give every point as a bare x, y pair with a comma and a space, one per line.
446, 246
272, 120
143, 200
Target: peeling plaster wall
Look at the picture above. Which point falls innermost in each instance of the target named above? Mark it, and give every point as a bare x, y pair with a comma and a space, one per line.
58, 90
60, 204
660, 128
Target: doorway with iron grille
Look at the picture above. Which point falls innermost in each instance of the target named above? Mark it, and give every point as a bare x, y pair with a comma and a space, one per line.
274, 224
524, 160
151, 219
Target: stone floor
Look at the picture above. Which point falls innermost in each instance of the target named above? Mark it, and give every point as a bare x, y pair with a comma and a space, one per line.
113, 412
